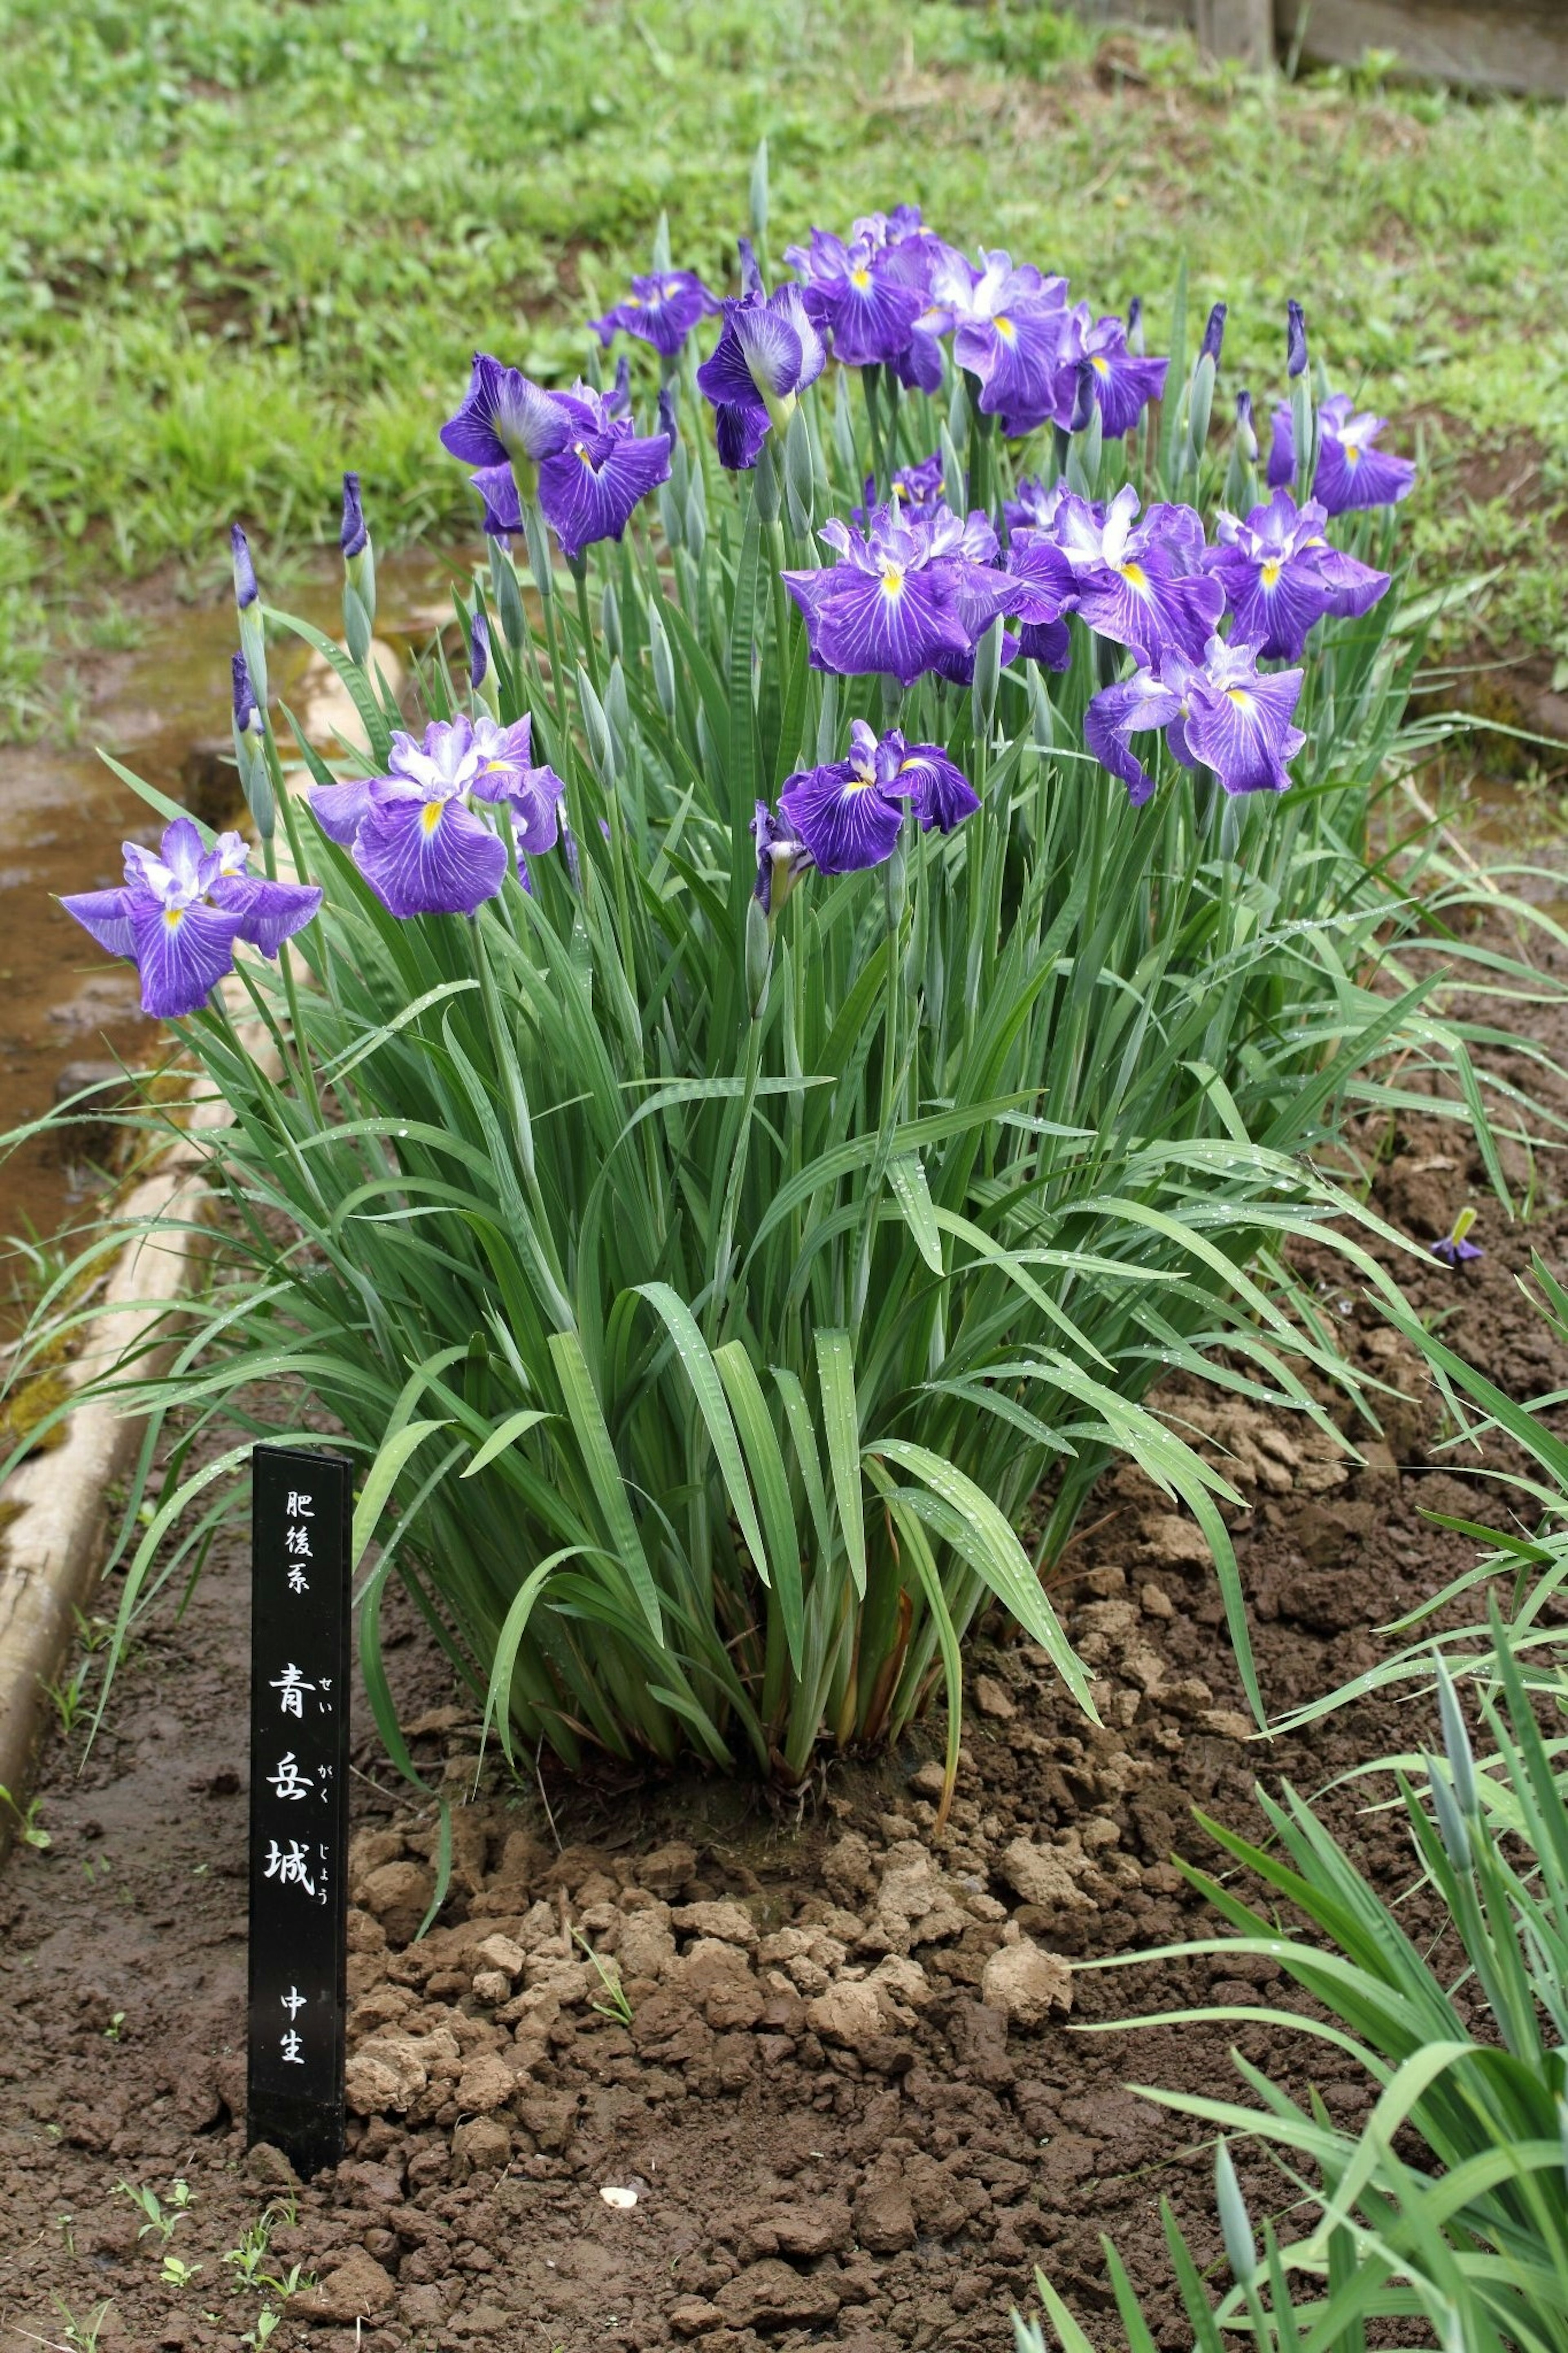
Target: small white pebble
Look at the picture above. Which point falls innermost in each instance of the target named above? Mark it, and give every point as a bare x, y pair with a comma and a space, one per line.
618, 2198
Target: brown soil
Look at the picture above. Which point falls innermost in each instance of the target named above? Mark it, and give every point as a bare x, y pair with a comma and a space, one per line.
849, 2099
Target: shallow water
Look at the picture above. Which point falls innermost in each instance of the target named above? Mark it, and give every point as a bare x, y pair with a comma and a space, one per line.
164, 711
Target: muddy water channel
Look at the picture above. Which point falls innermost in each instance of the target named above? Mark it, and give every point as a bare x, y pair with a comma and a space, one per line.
164, 711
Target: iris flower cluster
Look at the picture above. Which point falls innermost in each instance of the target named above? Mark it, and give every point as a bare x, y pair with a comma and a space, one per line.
912, 590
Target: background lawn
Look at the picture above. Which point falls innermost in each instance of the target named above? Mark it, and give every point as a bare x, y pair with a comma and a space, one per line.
243, 244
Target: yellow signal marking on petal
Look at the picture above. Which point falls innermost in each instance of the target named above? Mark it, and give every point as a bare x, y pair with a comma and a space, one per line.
1271, 572
892, 580
861, 278
1353, 454
1134, 576
430, 815
1098, 360
1240, 697
1003, 326
173, 917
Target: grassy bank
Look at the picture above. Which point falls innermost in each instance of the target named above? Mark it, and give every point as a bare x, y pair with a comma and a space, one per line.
243, 244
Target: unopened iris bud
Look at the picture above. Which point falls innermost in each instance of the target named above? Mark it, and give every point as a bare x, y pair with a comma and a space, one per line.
1451, 1822
1235, 2223
478, 649
1295, 340
987, 677
759, 955
1041, 714
620, 396
1200, 407
248, 598
359, 574
617, 709
751, 276
597, 727
844, 425
697, 516
245, 588
250, 751
538, 539
1214, 333
800, 483
1085, 435
610, 620
1241, 474
661, 662
1135, 326
765, 482
668, 424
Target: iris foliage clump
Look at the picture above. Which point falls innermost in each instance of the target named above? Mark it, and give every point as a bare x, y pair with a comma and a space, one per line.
753, 1088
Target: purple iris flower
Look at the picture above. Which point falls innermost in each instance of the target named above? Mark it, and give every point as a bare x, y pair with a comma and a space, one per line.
847, 813
769, 351
893, 603
662, 310
917, 492
782, 859
416, 834
505, 415
1036, 508
1352, 471
588, 490
589, 487
853, 293
1280, 576
181, 910
1222, 714
1140, 584
1454, 1249
1124, 382
1011, 327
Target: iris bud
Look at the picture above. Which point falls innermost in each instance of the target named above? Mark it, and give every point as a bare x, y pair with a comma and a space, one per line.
1241, 474
765, 482
751, 276
1085, 437
1042, 715
248, 598
987, 677
661, 257
1235, 2223
509, 597
1200, 406
759, 955
250, 752
696, 517
616, 708
800, 486
538, 538
597, 727
610, 619
1457, 1741
958, 413
359, 574
661, 662
481, 669
1214, 333
1135, 326
1295, 340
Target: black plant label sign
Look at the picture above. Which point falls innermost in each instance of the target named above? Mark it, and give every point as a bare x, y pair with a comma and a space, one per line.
301, 1509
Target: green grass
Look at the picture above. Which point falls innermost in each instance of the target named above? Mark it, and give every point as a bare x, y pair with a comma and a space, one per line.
245, 242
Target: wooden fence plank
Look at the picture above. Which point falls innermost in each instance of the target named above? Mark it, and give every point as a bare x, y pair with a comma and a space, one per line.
1518, 45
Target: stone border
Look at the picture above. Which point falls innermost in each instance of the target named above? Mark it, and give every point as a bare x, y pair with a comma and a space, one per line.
51, 1551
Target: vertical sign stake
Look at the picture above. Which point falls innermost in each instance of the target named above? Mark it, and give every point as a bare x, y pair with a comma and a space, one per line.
302, 1504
